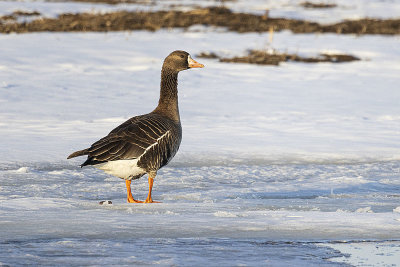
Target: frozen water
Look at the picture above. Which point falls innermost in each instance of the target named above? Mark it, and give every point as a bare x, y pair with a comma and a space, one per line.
168, 252
230, 215
359, 253
297, 165
273, 201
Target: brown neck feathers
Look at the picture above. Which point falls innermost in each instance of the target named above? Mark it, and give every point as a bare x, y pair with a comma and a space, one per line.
168, 103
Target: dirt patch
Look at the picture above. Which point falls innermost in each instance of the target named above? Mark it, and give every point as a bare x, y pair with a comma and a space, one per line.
317, 5
212, 16
116, 2
274, 58
142, 2
211, 55
18, 14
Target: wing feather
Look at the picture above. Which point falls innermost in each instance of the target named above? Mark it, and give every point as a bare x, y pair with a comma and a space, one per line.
130, 140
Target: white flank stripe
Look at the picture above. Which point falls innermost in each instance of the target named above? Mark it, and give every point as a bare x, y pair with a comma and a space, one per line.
127, 168
155, 143
122, 168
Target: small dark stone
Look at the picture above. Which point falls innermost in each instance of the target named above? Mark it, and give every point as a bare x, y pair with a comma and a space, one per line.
105, 202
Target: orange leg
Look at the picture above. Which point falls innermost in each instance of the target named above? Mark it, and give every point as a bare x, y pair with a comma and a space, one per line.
130, 197
149, 199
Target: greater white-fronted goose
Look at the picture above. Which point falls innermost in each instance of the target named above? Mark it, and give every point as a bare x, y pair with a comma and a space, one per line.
143, 144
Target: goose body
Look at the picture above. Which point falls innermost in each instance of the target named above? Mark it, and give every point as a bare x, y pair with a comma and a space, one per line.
145, 143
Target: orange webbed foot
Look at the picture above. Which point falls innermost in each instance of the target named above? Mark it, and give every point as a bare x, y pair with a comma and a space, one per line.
132, 200
151, 201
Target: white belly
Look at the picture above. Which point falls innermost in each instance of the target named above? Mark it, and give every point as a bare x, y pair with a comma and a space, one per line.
125, 169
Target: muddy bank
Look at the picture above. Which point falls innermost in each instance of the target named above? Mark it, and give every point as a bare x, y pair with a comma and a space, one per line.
274, 58
213, 16
116, 2
317, 5
18, 14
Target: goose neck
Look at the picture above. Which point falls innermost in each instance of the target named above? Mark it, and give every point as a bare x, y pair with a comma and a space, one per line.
168, 103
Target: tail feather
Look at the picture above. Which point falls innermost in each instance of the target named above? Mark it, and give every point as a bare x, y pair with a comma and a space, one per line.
78, 153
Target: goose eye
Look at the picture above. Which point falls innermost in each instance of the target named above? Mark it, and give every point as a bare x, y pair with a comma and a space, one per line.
182, 56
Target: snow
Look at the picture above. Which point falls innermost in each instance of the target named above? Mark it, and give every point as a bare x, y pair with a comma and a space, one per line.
300, 113
296, 165
284, 8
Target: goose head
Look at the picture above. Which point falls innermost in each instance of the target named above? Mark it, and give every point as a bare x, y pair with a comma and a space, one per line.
180, 60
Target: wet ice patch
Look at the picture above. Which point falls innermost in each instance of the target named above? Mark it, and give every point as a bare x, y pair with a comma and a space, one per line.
367, 253
292, 202
167, 251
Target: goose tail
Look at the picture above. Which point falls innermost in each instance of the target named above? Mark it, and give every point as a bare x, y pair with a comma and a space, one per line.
78, 153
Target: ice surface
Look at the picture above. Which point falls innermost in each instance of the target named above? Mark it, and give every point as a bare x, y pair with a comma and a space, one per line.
169, 252
238, 214
385, 253
283, 201
280, 166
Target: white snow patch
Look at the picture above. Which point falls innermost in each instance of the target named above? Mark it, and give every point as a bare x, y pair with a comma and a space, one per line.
169, 212
364, 210
342, 210
21, 170
225, 214
57, 172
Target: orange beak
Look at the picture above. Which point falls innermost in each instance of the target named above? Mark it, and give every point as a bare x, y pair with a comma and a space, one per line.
193, 63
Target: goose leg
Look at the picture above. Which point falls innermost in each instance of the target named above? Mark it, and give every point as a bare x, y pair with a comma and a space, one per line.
129, 193
149, 199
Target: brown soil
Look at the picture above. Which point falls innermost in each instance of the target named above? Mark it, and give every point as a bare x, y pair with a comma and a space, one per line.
143, 2
317, 5
213, 16
16, 14
264, 58
207, 55
115, 2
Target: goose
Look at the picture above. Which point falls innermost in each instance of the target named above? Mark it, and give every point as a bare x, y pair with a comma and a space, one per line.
145, 143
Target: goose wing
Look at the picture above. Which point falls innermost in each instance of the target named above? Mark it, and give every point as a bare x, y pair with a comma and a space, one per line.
130, 140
